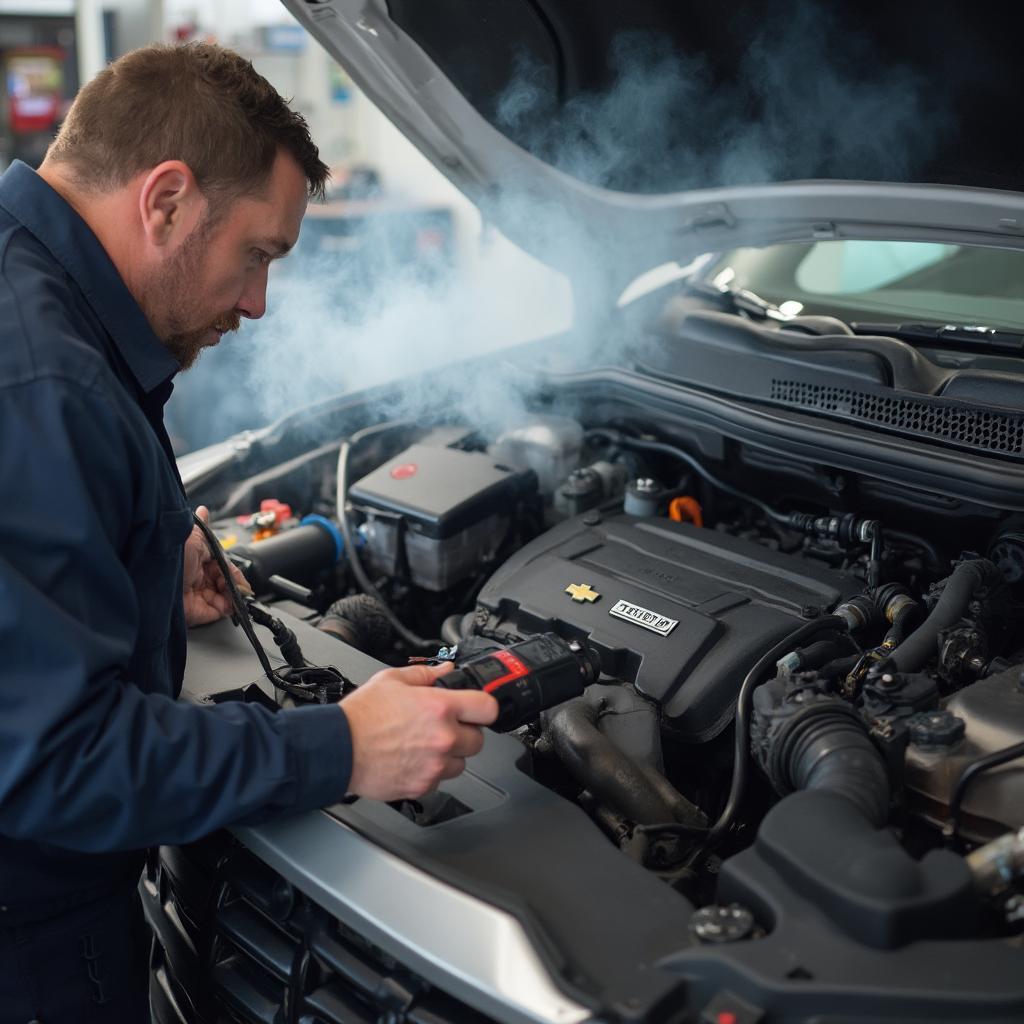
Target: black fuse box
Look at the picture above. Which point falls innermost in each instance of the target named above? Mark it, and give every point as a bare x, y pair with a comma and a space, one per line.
450, 510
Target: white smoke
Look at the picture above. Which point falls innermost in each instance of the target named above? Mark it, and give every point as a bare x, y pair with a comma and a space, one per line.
339, 322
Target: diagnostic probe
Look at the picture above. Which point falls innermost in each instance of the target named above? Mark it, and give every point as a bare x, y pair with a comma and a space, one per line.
528, 677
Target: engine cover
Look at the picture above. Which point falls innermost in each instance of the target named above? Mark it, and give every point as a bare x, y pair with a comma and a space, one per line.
681, 612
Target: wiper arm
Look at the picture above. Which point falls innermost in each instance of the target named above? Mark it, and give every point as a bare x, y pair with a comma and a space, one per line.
741, 300
970, 336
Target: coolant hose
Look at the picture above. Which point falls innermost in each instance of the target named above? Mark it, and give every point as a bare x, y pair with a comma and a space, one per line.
969, 576
813, 656
901, 623
631, 786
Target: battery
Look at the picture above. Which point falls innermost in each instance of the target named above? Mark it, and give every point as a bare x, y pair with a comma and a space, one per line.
439, 511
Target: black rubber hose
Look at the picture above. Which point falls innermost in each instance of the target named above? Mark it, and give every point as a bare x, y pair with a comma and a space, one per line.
839, 667
741, 753
365, 583
360, 621
820, 653
901, 623
825, 747
969, 576
875, 557
633, 790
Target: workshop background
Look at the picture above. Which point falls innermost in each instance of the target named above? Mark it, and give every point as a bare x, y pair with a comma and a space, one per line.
390, 276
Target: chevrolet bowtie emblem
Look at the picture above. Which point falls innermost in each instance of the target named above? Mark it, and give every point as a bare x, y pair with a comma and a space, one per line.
582, 592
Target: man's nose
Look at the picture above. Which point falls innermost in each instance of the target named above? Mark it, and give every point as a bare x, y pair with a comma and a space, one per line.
253, 303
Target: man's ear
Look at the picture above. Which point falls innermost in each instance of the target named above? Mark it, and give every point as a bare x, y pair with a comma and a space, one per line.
170, 203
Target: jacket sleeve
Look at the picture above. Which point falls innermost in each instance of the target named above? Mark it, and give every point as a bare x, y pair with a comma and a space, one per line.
88, 760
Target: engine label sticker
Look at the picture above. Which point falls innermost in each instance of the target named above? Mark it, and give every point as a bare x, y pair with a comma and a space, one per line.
643, 617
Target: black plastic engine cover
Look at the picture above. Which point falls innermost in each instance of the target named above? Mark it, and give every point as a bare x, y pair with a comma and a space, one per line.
732, 599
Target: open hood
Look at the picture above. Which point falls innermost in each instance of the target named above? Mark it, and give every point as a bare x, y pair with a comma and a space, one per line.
660, 129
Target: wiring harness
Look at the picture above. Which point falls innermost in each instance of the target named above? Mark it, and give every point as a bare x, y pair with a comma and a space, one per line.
301, 680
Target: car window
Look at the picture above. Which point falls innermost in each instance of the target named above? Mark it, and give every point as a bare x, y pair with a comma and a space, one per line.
844, 268
882, 281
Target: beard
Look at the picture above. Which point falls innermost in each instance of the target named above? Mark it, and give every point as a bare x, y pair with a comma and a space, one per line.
187, 346
167, 294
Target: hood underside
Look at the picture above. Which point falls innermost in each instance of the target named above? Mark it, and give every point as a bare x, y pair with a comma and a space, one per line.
661, 130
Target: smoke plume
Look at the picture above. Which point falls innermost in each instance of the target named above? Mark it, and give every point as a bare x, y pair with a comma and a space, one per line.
338, 321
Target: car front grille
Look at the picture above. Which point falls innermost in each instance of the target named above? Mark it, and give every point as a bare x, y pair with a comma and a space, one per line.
967, 426
236, 944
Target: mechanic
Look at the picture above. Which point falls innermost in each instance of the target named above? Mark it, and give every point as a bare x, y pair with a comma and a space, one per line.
178, 176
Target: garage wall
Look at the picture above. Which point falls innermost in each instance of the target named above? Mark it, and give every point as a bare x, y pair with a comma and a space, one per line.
129, 23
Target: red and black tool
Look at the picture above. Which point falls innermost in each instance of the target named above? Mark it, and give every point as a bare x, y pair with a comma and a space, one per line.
528, 677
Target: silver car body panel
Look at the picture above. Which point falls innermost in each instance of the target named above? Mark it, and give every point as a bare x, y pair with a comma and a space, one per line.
472, 950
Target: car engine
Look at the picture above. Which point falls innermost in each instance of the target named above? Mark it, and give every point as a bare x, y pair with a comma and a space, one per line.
809, 685
680, 582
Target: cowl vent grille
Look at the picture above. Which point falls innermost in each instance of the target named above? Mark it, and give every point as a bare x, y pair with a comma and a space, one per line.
983, 429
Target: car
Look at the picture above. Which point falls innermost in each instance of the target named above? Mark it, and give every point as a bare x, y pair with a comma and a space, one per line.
741, 554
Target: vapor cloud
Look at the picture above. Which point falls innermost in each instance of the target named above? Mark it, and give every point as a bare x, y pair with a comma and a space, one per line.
802, 106
809, 100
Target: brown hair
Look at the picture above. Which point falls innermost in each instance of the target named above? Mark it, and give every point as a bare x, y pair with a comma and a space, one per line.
199, 103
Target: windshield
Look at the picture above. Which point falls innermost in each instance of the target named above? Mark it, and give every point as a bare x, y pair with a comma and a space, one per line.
898, 282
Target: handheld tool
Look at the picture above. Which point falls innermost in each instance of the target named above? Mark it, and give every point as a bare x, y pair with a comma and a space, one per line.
528, 677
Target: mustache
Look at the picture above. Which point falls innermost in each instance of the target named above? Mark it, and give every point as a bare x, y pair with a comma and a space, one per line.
228, 322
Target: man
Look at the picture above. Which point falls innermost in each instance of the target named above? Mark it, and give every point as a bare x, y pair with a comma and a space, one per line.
179, 175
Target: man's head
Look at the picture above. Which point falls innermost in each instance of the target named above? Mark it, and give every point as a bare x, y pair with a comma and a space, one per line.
194, 173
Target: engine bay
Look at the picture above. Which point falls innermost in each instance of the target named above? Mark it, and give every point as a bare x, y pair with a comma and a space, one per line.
810, 687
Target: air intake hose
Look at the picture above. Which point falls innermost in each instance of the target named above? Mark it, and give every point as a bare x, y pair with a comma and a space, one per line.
820, 744
826, 837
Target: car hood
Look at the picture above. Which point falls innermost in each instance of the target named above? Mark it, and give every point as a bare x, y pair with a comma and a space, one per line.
609, 138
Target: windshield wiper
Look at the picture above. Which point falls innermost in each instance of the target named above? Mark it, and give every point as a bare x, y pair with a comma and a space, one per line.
740, 300
970, 336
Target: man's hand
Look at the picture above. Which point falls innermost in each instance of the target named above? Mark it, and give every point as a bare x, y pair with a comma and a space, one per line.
407, 736
205, 591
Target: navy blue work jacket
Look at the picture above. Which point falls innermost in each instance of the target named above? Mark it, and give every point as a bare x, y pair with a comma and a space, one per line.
98, 760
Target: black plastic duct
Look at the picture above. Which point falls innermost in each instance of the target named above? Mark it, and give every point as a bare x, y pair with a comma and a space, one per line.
827, 840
